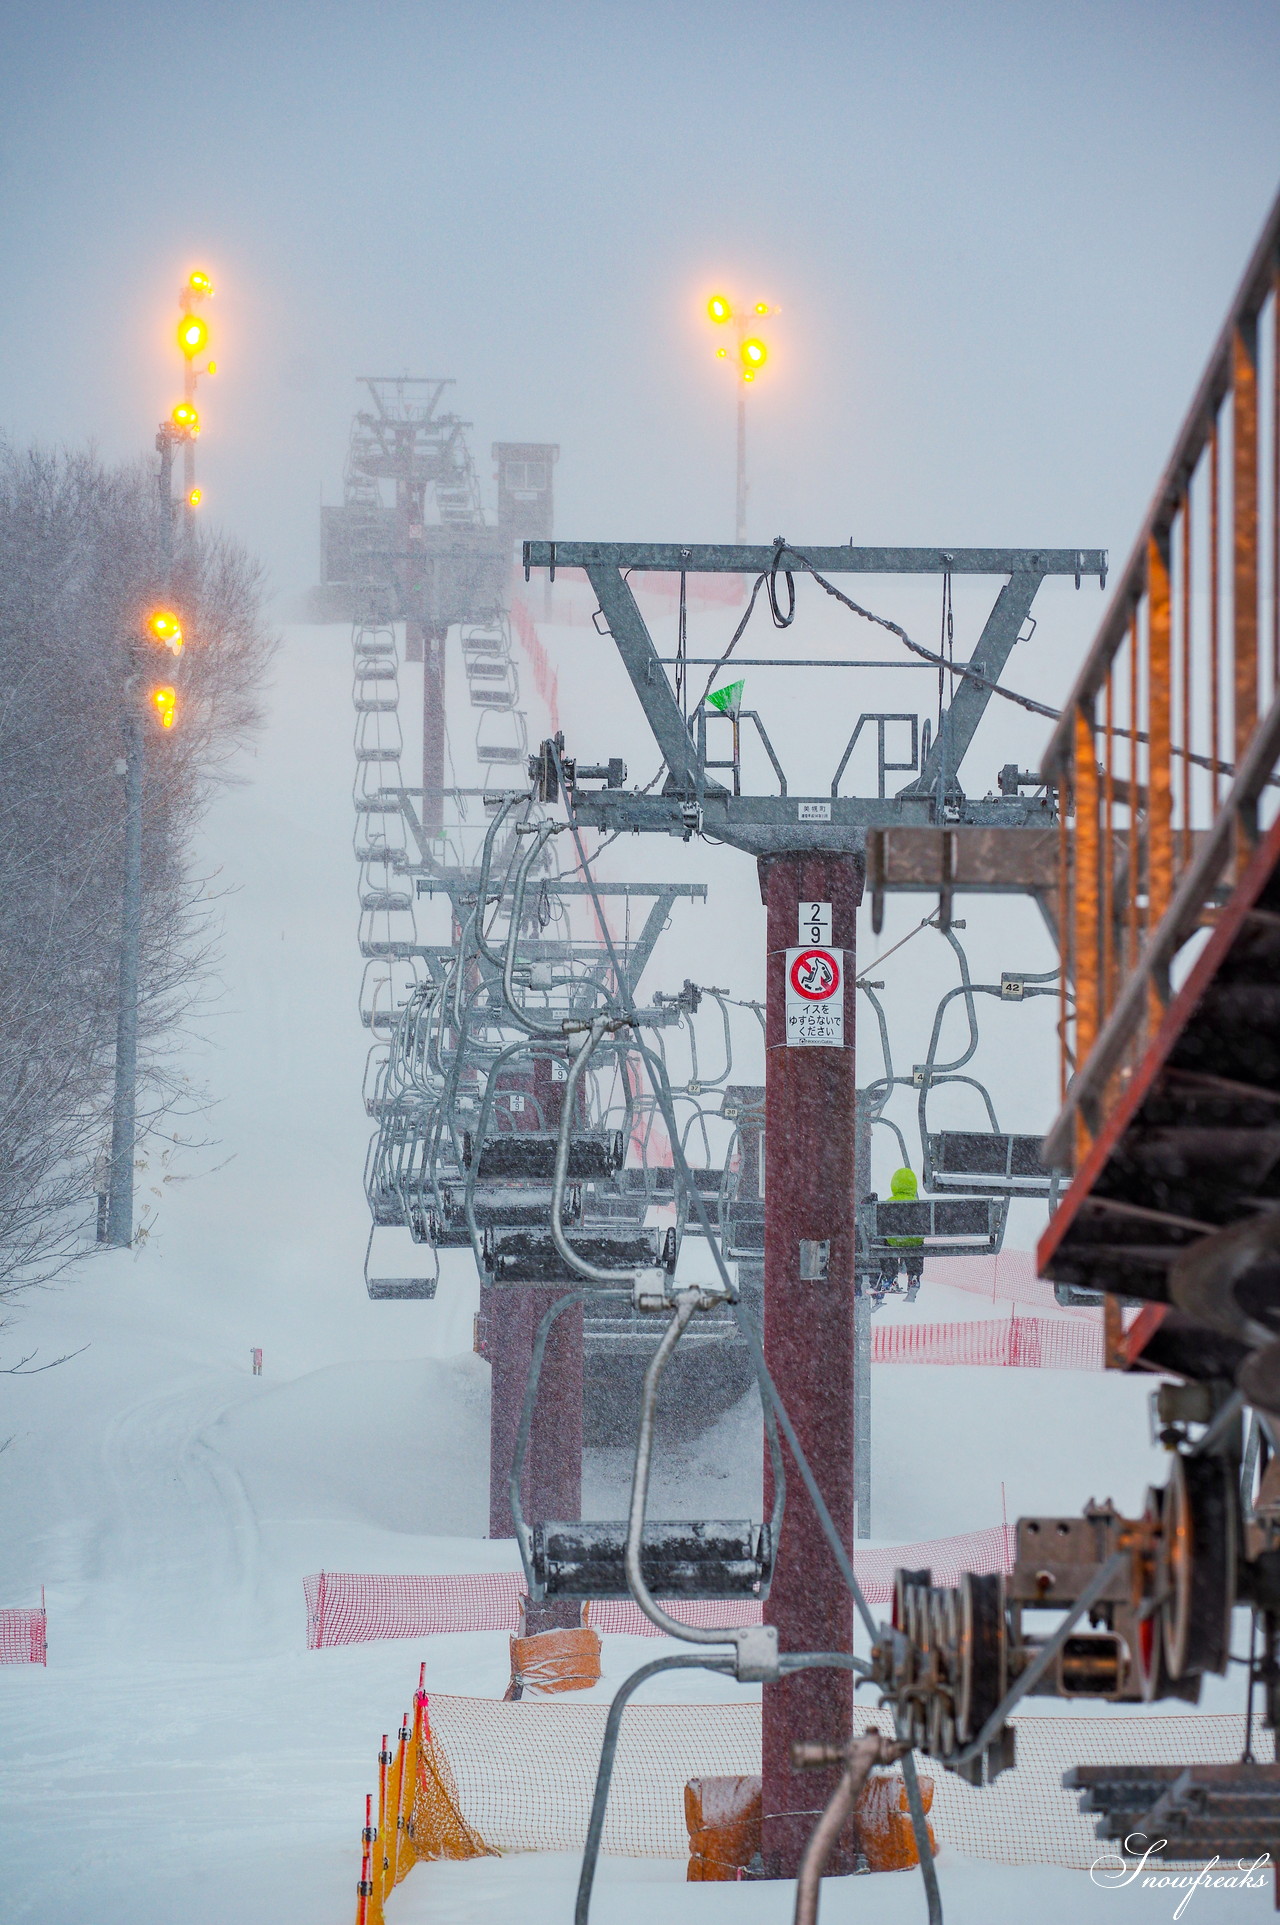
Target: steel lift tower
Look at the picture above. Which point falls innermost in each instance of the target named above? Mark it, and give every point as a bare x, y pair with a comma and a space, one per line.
812, 852
411, 541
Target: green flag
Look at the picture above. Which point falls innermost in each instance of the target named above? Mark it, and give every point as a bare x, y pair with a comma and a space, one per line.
728, 699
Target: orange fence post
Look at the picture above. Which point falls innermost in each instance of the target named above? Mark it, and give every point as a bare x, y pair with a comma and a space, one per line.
395, 1817
381, 1862
364, 1889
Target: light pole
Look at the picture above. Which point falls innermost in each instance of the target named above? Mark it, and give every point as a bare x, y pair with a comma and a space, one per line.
193, 340
751, 357
162, 627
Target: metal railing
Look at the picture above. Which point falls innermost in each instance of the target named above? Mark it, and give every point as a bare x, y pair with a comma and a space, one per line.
1168, 743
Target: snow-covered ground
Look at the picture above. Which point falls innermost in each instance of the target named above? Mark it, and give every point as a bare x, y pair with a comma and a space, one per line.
184, 1757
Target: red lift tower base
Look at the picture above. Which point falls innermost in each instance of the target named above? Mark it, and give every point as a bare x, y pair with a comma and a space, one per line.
552, 1484
810, 1112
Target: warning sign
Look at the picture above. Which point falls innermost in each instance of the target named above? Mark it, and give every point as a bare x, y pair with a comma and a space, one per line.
815, 998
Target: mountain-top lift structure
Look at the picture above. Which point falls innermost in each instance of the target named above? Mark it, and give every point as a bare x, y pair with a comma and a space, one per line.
811, 850
412, 543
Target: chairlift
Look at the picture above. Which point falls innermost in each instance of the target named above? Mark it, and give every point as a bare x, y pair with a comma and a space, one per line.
396, 1266
379, 737
684, 1559
946, 1226
502, 736
530, 1156
959, 1162
531, 1256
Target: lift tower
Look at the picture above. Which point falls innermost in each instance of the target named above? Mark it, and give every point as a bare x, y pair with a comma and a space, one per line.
811, 850
412, 543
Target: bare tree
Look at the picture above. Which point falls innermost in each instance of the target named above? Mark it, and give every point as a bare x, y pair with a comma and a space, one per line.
80, 563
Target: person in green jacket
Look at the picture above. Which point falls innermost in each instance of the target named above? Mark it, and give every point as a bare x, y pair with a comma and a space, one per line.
903, 1188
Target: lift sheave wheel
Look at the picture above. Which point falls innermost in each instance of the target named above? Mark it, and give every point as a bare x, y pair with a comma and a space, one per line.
1201, 1527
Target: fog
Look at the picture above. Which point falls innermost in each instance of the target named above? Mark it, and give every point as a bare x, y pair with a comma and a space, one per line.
1001, 239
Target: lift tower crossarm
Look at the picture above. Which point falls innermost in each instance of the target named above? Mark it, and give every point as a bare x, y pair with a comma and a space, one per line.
727, 558
691, 802
640, 659
969, 702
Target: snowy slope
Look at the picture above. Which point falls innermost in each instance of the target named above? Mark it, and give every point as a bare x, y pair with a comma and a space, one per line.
184, 1757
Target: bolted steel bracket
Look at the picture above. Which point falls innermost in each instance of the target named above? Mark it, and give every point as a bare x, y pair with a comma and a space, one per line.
756, 1654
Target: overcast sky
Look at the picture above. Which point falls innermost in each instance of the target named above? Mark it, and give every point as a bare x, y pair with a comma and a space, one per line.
1001, 236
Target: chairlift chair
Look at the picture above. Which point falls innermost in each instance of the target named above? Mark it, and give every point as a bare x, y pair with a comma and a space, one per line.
947, 1226
708, 1559
962, 1162
396, 1266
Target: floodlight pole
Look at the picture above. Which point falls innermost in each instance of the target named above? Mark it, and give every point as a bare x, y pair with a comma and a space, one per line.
117, 1231
740, 514
119, 1226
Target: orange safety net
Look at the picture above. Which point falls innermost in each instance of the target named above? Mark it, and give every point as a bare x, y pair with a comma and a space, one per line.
483, 1776
525, 1773
438, 1828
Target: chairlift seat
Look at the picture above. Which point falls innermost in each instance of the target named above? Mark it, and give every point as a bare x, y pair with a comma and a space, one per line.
964, 1161
504, 1206
530, 1155
680, 1560
396, 1267
947, 1226
530, 1256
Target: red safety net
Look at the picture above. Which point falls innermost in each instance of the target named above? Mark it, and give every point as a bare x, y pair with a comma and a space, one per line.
1027, 1343
352, 1607
22, 1637
1008, 1276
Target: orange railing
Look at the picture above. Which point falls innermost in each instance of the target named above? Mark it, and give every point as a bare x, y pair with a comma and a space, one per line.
1165, 756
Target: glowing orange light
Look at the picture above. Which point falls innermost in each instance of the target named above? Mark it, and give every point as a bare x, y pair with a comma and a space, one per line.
199, 283
193, 335
186, 417
212, 368
748, 376
194, 497
718, 308
165, 703
754, 354
164, 627
721, 353
762, 307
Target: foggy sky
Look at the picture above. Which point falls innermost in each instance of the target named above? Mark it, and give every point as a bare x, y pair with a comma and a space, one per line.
1002, 238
